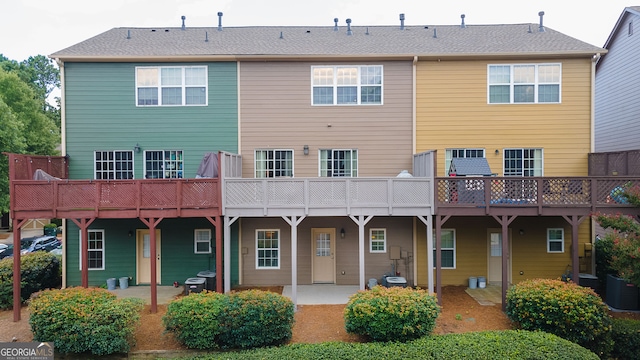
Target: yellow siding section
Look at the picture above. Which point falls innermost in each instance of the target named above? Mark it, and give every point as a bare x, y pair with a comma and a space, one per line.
452, 112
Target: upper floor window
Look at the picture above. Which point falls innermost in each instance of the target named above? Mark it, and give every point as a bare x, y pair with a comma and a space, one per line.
274, 163
347, 85
171, 86
163, 164
110, 165
460, 153
526, 83
339, 163
522, 162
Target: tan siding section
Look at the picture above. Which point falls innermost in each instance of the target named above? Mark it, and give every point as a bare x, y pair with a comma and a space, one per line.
452, 112
276, 112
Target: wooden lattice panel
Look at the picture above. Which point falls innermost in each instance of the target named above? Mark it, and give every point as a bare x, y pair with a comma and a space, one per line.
199, 194
368, 192
77, 195
155, 195
284, 192
325, 193
117, 194
409, 192
246, 193
33, 196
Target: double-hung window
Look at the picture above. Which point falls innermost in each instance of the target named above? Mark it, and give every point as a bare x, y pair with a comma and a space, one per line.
96, 249
339, 163
268, 249
171, 86
378, 240
524, 83
448, 248
523, 162
113, 165
202, 241
347, 85
163, 164
555, 240
273, 163
460, 153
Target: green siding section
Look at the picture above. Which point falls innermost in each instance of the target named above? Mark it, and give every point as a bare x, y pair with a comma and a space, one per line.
178, 261
101, 114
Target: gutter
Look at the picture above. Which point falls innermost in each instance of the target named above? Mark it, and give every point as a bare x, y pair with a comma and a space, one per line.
63, 149
594, 62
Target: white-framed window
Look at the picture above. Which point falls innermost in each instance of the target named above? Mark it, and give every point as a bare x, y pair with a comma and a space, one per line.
96, 249
523, 162
347, 85
171, 85
113, 165
378, 240
163, 164
450, 154
448, 250
273, 163
555, 240
524, 83
338, 163
267, 249
202, 241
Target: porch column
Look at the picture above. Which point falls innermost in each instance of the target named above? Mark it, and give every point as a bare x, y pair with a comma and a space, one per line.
217, 222
228, 221
17, 276
294, 221
504, 221
361, 220
575, 221
152, 223
429, 222
83, 224
440, 219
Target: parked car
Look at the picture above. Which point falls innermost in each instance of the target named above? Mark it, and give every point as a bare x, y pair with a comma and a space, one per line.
3, 250
38, 243
57, 251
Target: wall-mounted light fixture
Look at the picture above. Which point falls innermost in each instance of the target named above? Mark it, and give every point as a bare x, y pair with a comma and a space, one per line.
305, 149
130, 233
342, 233
521, 231
497, 151
136, 148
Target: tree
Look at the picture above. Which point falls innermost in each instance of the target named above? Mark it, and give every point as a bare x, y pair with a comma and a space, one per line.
624, 237
25, 126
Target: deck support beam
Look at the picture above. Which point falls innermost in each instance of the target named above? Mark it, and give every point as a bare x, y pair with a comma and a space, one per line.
361, 221
153, 260
17, 276
505, 221
575, 221
83, 224
294, 221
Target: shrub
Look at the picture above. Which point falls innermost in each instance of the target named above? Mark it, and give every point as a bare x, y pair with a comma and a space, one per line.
626, 335
494, 345
194, 319
604, 252
245, 319
80, 320
395, 313
255, 318
565, 309
38, 271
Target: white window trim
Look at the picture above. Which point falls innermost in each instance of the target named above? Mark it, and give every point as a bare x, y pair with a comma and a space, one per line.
384, 241
163, 162
358, 85
80, 248
523, 149
448, 249
255, 161
279, 250
95, 161
183, 85
196, 241
549, 241
536, 83
353, 169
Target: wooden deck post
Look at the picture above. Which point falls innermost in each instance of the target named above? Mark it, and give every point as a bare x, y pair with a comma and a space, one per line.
17, 279
151, 224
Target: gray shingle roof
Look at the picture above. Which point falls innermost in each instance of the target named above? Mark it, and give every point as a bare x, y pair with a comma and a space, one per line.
389, 41
470, 166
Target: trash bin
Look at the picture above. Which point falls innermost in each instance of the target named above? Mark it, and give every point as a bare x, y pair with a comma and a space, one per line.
210, 279
124, 282
193, 285
482, 282
111, 283
373, 282
473, 282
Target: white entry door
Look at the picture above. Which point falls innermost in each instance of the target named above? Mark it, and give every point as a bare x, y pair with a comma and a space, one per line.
143, 252
323, 257
494, 271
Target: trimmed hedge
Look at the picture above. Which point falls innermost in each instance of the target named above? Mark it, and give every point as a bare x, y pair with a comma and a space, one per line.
394, 313
244, 319
495, 345
82, 321
565, 309
38, 271
626, 335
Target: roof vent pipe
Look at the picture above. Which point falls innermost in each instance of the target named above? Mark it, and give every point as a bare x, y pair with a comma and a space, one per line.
281, 35
128, 34
435, 33
462, 25
206, 36
183, 18
219, 21
335, 26
349, 32
529, 29
401, 21
541, 28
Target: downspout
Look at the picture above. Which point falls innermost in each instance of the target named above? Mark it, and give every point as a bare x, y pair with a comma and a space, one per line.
413, 110
594, 61
63, 151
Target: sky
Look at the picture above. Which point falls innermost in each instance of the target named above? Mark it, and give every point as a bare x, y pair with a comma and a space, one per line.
42, 27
